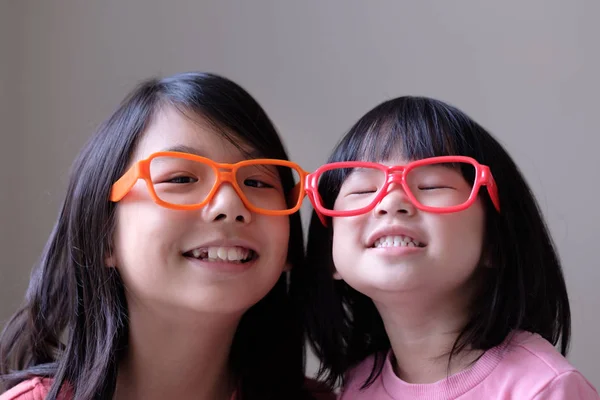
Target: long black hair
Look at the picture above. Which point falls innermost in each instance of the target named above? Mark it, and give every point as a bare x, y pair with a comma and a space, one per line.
73, 325
522, 287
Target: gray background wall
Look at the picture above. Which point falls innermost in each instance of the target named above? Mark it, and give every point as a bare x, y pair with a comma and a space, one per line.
528, 71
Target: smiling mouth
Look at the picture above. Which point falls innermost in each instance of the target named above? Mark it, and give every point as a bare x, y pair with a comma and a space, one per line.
396, 241
233, 254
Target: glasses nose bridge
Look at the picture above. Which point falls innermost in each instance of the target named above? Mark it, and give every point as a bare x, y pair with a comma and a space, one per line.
224, 175
395, 175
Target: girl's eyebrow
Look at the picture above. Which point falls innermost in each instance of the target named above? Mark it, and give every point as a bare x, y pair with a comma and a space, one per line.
181, 148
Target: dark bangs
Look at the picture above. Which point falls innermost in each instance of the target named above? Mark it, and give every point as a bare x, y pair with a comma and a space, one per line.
231, 111
410, 128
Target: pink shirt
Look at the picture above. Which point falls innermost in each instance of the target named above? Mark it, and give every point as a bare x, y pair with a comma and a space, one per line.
528, 367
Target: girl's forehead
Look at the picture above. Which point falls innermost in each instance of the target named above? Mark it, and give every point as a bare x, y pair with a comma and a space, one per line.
172, 130
394, 161
389, 161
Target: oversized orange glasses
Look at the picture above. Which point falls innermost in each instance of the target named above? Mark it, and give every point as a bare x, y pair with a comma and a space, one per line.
437, 184
183, 181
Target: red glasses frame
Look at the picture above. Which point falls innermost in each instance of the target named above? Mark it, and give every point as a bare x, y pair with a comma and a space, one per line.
397, 174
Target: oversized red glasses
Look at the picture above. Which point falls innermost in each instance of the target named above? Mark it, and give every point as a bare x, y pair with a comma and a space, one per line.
437, 184
183, 181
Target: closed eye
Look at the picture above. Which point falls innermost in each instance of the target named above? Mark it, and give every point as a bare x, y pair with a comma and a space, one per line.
434, 187
360, 192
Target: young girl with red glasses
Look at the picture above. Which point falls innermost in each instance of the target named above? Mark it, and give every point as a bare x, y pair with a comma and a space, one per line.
431, 273
164, 276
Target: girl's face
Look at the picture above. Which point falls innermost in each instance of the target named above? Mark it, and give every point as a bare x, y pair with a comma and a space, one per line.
163, 254
369, 255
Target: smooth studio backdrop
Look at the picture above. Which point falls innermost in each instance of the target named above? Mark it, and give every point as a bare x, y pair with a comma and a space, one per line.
526, 70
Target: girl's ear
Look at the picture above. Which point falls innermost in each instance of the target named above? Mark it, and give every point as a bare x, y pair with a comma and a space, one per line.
486, 260
110, 260
336, 275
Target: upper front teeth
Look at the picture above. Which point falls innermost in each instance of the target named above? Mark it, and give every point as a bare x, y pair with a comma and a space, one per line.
222, 253
396, 241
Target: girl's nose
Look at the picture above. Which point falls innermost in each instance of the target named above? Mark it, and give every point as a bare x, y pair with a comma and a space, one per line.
226, 205
394, 202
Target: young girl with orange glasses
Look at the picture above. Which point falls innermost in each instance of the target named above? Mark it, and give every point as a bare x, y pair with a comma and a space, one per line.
165, 274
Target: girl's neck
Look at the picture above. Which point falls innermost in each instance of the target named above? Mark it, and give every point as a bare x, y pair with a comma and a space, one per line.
177, 356
422, 333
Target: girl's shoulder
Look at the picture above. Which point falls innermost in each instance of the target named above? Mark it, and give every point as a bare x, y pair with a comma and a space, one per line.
36, 388
530, 348
540, 367
31, 389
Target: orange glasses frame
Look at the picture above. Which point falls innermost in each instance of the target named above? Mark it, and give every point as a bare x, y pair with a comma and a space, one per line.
397, 174
224, 172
